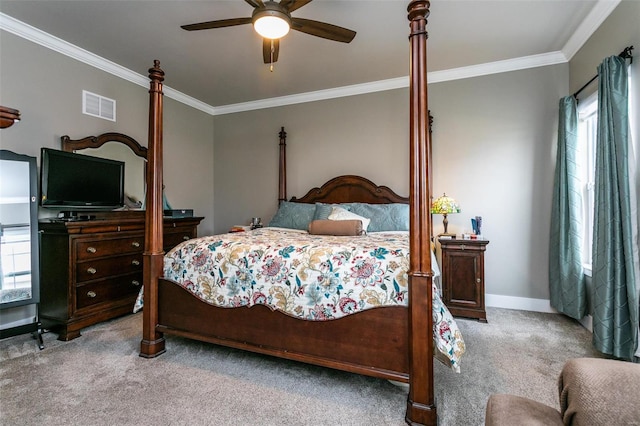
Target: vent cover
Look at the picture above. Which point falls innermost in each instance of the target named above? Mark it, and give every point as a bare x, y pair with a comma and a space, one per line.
98, 106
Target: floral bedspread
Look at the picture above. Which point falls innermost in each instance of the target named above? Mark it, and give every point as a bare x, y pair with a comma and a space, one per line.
306, 276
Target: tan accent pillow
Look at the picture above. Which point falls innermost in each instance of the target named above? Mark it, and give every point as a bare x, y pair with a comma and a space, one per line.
336, 227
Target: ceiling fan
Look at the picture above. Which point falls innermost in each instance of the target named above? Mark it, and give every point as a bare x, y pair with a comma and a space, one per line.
273, 20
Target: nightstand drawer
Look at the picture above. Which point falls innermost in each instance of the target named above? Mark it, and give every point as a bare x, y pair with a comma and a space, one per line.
105, 267
108, 247
107, 291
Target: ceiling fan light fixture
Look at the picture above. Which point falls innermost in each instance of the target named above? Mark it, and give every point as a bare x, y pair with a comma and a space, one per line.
271, 24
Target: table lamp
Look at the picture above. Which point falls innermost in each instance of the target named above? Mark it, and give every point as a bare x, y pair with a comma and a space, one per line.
445, 205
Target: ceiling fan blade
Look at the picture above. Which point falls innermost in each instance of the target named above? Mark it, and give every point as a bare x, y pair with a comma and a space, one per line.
216, 24
292, 5
266, 50
322, 29
255, 3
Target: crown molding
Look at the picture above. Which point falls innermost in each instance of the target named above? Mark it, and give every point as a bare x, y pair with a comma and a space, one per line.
497, 67
591, 23
515, 64
320, 95
33, 34
594, 19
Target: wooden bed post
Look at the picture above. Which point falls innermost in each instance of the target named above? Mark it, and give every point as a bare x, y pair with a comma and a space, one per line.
153, 343
421, 408
282, 170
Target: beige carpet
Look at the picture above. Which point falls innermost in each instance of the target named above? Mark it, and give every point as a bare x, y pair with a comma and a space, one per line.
99, 379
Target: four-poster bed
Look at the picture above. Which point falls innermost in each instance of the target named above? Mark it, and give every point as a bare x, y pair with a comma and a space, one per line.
388, 342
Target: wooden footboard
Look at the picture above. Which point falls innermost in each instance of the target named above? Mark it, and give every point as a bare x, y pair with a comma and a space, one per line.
335, 343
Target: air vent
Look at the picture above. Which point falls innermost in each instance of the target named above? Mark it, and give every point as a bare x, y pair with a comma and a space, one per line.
98, 106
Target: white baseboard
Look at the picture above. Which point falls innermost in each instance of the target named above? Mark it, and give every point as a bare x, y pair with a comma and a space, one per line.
587, 322
529, 304
519, 303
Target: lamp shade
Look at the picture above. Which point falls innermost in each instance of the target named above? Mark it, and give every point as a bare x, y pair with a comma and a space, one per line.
444, 205
271, 24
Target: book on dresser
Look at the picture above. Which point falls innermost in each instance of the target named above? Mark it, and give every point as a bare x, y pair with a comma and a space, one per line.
91, 270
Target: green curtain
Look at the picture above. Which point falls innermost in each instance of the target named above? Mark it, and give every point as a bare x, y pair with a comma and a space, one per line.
566, 276
615, 299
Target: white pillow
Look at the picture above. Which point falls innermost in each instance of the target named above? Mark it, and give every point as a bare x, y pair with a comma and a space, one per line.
338, 213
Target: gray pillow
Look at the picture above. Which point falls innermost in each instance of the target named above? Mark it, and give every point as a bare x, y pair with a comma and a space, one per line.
384, 217
293, 215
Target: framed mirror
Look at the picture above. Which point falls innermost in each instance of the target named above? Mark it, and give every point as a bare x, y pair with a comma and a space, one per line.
117, 146
19, 269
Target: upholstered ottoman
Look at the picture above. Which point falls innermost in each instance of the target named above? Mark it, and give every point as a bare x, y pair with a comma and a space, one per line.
503, 409
592, 392
596, 391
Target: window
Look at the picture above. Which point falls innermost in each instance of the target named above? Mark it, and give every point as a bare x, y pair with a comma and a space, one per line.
587, 133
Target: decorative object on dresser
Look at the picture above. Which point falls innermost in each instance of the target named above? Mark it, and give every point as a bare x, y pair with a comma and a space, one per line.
91, 270
445, 205
19, 279
463, 277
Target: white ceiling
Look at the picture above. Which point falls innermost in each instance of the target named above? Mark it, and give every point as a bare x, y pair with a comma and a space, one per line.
222, 67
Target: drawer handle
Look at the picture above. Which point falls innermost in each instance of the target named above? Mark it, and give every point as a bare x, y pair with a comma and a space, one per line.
91, 250
136, 283
478, 280
92, 271
185, 238
135, 262
135, 244
91, 294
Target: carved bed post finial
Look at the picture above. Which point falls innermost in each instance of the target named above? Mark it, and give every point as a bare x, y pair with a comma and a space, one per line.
421, 408
153, 343
282, 171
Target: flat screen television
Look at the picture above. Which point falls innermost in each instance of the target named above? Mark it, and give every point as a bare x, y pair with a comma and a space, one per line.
72, 181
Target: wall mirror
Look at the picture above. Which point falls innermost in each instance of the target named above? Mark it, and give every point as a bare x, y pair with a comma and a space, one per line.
19, 271
117, 146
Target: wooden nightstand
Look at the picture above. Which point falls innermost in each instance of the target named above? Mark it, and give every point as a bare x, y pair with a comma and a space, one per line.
463, 277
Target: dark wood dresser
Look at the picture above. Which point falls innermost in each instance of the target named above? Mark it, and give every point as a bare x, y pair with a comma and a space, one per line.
463, 277
91, 270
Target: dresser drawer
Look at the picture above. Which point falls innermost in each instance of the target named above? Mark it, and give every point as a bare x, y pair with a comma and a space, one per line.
101, 268
172, 239
91, 271
108, 247
109, 290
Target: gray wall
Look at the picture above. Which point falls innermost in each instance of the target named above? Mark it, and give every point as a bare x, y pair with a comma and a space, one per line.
493, 151
365, 135
47, 89
620, 30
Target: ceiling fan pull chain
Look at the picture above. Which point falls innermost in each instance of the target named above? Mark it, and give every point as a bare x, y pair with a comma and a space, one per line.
272, 49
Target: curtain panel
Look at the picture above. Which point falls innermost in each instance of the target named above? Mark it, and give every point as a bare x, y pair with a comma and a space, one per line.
568, 293
615, 296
